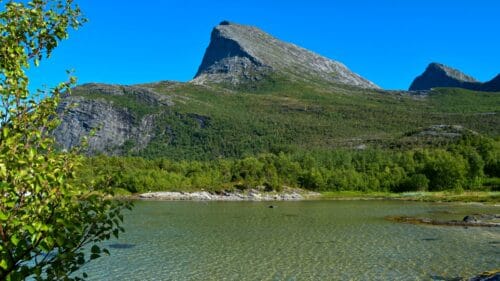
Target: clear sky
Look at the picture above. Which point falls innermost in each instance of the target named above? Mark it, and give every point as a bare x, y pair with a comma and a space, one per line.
389, 42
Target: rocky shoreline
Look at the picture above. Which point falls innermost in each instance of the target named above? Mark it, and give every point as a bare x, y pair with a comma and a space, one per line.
251, 195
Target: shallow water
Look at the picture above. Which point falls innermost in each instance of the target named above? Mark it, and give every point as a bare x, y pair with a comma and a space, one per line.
310, 240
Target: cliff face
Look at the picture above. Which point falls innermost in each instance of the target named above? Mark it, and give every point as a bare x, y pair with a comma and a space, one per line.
97, 106
238, 54
439, 75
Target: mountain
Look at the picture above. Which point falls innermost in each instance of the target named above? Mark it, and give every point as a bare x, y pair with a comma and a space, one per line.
304, 103
239, 53
439, 75
493, 85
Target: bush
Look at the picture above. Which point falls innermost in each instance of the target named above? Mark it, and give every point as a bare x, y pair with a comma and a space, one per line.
416, 182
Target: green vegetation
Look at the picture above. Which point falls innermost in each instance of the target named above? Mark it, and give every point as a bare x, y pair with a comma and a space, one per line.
46, 218
135, 104
210, 122
472, 163
315, 136
284, 133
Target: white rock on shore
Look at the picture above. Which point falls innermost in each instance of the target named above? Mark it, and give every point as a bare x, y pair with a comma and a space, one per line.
224, 196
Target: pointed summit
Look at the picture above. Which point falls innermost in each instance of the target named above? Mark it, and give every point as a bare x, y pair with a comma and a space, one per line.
239, 53
440, 75
451, 72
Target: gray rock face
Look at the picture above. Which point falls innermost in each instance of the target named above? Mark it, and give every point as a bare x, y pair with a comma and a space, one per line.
239, 53
115, 125
440, 75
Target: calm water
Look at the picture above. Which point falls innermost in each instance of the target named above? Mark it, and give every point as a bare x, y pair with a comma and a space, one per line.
318, 240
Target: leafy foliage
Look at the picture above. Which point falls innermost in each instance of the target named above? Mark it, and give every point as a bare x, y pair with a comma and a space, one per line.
46, 220
461, 166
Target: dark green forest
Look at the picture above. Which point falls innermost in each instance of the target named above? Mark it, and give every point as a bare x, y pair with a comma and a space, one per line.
473, 163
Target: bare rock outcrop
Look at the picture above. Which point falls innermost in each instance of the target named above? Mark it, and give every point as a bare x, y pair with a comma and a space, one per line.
240, 53
93, 107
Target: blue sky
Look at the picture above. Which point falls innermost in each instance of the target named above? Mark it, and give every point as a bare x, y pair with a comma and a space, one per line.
389, 42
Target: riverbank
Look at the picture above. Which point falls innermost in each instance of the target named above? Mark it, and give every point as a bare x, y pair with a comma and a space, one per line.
295, 194
238, 195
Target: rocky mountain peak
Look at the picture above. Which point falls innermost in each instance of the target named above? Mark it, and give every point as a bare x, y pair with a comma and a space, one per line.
451, 72
440, 75
240, 53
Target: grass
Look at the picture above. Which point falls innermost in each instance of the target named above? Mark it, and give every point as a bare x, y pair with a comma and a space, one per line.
448, 196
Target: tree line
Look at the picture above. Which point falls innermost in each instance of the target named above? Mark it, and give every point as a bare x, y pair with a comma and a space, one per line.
470, 164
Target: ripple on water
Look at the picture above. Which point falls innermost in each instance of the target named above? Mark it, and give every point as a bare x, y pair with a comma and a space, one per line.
295, 241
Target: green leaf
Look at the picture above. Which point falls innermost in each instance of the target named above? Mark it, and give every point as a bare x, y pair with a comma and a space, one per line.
5, 132
14, 239
3, 216
95, 249
3, 264
94, 256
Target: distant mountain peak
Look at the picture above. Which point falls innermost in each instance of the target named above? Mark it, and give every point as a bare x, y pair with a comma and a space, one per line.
440, 75
493, 85
451, 72
240, 53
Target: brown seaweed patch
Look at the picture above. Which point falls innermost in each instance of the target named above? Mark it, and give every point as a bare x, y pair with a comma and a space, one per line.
428, 221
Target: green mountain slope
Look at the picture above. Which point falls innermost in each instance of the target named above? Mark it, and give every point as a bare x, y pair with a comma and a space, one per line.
211, 121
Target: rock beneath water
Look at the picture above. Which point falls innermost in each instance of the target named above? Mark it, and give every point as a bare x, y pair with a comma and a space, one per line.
470, 219
467, 221
121, 246
487, 276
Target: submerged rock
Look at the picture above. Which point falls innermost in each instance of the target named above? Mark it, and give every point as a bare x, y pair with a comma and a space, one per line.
470, 219
467, 221
487, 276
121, 246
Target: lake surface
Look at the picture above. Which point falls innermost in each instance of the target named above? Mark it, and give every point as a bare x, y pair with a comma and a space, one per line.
310, 240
